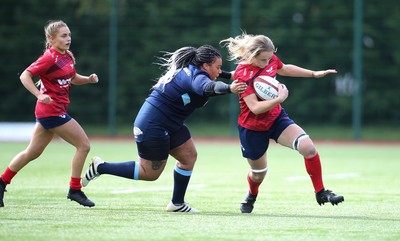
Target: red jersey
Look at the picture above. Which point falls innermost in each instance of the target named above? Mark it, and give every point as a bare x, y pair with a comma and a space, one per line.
247, 119
55, 71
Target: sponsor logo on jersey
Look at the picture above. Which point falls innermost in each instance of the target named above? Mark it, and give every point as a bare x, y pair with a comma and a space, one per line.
137, 131
269, 70
64, 83
185, 98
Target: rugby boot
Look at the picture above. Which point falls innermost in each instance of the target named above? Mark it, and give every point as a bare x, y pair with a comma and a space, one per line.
325, 196
92, 172
248, 203
2, 190
79, 197
180, 208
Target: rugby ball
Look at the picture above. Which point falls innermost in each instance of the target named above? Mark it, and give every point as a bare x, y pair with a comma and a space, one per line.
266, 88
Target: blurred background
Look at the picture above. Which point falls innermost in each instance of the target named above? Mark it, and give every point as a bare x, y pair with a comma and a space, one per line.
121, 39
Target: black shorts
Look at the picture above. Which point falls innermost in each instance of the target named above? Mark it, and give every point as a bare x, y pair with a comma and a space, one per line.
54, 121
255, 143
157, 144
155, 135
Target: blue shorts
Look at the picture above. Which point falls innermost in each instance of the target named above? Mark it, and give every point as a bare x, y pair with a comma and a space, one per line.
153, 135
255, 143
54, 121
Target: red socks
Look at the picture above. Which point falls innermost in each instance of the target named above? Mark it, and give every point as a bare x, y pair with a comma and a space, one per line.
253, 186
313, 167
75, 183
8, 175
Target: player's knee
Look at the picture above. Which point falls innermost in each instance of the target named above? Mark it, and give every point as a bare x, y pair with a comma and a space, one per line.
150, 177
299, 141
187, 161
308, 151
304, 145
258, 175
191, 159
84, 147
192, 156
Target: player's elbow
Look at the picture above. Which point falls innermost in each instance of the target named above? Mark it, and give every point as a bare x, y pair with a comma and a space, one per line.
25, 76
262, 106
256, 110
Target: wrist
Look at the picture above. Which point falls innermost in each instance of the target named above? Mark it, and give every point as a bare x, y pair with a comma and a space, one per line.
313, 74
225, 75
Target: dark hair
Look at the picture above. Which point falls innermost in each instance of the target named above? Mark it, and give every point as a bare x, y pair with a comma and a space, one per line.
184, 56
205, 54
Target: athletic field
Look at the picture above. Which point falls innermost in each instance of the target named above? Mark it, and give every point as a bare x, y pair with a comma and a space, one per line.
367, 174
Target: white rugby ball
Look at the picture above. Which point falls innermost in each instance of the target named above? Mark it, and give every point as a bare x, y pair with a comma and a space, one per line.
266, 87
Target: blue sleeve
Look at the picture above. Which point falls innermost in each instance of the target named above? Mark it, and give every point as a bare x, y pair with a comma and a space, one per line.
200, 83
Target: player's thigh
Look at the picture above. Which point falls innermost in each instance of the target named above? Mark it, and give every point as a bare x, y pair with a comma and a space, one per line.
40, 139
289, 135
153, 155
259, 164
185, 154
73, 133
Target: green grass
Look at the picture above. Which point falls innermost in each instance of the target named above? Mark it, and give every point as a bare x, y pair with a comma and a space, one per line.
368, 132
366, 174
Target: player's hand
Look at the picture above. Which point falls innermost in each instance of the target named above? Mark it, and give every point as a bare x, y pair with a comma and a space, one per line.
93, 78
238, 87
44, 98
283, 92
322, 73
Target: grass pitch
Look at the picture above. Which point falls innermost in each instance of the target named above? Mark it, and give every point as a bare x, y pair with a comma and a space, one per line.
36, 207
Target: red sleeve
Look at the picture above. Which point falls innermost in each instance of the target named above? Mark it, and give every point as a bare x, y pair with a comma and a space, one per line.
244, 73
40, 65
279, 63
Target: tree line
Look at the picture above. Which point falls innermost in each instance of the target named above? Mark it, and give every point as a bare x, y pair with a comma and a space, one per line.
314, 35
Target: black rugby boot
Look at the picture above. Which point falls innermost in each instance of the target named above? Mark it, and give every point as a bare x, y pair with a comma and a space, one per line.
325, 196
79, 197
2, 190
248, 203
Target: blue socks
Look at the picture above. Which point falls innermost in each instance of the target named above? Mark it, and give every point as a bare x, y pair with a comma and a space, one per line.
181, 181
130, 170
122, 169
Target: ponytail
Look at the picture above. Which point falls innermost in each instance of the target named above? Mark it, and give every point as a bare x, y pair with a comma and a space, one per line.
246, 46
176, 61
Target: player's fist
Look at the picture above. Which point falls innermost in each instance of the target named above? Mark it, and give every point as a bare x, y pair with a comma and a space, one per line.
93, 78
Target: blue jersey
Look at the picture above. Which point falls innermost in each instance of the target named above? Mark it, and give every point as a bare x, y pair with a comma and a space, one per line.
181, 96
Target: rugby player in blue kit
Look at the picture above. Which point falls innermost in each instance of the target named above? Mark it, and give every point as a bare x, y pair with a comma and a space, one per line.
159, 129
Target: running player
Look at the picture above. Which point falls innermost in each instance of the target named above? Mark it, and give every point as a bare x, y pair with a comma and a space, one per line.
159, 127
259, 121
56, 69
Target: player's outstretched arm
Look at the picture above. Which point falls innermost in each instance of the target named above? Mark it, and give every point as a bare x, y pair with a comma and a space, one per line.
296, 71
80, 79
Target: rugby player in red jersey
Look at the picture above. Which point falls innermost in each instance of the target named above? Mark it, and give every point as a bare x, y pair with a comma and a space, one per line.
262, 120
56, 69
